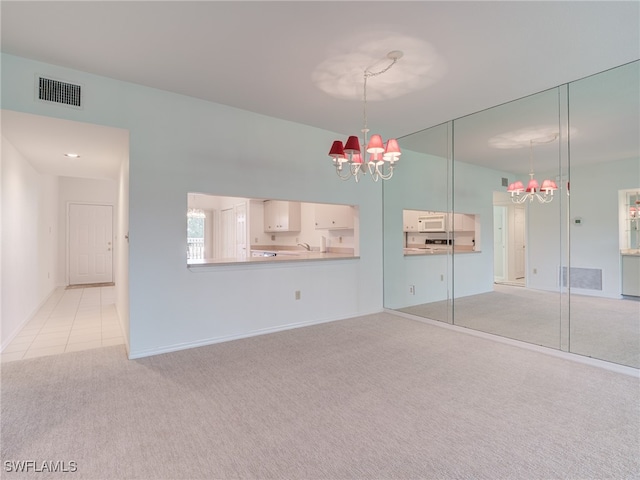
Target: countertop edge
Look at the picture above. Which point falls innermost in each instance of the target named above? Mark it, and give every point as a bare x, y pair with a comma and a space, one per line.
269, 261
431, 254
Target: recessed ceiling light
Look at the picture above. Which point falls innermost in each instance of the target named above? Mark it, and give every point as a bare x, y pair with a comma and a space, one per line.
72, 155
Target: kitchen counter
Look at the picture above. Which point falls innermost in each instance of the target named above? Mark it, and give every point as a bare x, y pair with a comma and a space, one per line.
421, 251
280, 256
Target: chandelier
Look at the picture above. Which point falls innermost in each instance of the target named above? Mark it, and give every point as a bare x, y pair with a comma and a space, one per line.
534, 191
349, 159
196, 213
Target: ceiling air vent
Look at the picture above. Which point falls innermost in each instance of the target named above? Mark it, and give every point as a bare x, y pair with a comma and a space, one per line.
50, 90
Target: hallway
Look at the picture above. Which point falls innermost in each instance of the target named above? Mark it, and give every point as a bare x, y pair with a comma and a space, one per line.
69, 321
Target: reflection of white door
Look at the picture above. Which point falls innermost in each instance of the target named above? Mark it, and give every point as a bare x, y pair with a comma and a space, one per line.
499, 243
90, 244
518, 241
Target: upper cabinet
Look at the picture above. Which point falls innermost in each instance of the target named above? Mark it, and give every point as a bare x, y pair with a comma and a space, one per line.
281, 216
463, 222
410, 220
418, 221
334, 217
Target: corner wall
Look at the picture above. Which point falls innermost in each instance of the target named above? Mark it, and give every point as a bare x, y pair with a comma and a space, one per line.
29, 240
180, 144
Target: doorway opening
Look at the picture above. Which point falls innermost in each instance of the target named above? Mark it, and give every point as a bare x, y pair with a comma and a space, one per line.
80, 238
90, 244
509, 241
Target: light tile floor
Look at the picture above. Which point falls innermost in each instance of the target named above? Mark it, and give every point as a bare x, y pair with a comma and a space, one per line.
69, 321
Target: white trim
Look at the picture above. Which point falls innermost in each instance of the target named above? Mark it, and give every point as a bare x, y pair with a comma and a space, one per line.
614, 367
113, 235
228, 338
29, 317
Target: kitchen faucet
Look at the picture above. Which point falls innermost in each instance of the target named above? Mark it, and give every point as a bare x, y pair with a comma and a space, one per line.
305, 246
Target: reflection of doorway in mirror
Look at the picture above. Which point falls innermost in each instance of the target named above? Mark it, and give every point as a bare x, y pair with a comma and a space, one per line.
499, 244
509, 245
518, 246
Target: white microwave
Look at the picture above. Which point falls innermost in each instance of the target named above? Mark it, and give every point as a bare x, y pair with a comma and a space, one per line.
436, 222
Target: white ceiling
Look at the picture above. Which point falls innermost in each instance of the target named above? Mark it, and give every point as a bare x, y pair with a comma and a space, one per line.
44, 141
264, 56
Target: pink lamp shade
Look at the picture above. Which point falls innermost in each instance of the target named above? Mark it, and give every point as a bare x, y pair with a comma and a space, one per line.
375, 144
337, 150
392, 151
352, 145
549, 186
533, 185
516, 187
633, 212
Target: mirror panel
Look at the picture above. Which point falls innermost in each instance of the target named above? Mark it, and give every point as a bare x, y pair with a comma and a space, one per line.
604, 277
510, 288
416, 282
564, 272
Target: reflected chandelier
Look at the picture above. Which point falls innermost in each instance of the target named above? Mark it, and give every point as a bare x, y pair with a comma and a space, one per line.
347, 158
544, 193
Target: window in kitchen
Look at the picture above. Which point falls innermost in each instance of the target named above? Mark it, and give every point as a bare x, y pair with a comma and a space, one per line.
196, 218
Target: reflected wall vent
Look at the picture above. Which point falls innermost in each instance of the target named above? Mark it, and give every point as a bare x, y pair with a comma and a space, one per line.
57, 91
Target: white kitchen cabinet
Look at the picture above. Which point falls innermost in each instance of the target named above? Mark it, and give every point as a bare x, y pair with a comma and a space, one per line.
281, 216
463, 222
410, 222
631, 275
334, 217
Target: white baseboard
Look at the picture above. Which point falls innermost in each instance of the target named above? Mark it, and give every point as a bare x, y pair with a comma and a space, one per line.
28, 318
615, 367
228, 338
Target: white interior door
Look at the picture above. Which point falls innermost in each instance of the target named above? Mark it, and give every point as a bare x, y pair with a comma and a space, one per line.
241, 230
519, 242
499, 244
228, 233
90, 244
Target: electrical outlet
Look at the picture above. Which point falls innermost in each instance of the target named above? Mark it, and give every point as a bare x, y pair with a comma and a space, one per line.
273, 237
442, 278
535, 270
256, 240
297, 294
412, 289
339, 239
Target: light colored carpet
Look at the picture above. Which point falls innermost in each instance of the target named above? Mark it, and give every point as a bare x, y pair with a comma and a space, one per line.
374, 397
603, 328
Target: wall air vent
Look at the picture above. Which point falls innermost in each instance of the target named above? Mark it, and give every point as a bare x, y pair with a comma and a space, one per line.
50, 90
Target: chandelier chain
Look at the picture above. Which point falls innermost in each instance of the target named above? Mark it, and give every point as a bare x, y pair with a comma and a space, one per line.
368, 73
351, 159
